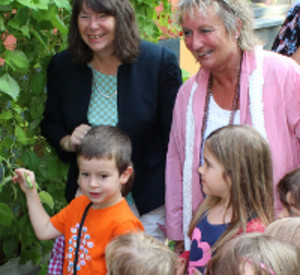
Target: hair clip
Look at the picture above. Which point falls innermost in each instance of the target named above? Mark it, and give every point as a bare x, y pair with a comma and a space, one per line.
262, 265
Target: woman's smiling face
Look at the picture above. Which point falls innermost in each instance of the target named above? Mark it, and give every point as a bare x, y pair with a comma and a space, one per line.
206, 37
97, 30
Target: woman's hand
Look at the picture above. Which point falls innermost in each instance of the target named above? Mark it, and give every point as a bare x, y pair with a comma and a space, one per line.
69, 143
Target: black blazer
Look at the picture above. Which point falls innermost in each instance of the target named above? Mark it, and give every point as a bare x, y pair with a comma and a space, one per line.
146, 93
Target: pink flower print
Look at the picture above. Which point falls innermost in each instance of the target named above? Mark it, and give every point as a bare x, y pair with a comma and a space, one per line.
204, 248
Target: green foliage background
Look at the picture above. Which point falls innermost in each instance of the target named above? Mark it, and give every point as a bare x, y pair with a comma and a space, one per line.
40, 27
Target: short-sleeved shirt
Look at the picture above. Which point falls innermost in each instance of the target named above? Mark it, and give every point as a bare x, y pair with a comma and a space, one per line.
100, 226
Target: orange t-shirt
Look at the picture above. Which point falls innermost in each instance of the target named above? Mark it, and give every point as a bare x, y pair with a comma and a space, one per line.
100, 226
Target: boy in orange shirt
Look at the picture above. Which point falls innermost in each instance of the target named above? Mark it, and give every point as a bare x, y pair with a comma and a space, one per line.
91, 220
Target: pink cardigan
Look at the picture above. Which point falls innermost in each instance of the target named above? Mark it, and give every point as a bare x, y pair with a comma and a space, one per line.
281, 99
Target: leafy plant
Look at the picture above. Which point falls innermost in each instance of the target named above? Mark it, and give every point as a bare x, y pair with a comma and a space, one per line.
31, 32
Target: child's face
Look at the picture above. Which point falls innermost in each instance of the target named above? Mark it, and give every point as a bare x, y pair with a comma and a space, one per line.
212, 175
100, 181
291, 210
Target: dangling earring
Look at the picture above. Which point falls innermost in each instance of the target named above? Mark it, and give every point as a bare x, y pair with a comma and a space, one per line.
236, 36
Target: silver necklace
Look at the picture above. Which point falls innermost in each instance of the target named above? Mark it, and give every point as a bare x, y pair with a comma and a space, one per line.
104, 95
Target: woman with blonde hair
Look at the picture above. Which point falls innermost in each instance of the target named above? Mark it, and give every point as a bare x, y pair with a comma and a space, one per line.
238, 83
255, 254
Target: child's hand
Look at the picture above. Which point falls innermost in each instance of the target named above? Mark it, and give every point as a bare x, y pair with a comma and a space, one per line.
25, 178
181, 266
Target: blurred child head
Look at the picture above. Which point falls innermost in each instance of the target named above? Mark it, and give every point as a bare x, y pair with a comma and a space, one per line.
286, 230
255, 254
246, 160
288, 190
105, 152
139, 254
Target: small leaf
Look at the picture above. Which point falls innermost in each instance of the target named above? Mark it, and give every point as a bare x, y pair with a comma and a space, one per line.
6, 2
21, 135
2, 26
5, 115
17, 58
9, 86
28, 3
7, 142
10, 246
4, 181
59, 24
46, 198
6, 216
63, 4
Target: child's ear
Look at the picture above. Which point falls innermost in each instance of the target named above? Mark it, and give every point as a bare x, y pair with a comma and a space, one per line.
126, 175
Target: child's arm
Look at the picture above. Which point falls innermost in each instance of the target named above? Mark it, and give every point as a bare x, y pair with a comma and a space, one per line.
39, 218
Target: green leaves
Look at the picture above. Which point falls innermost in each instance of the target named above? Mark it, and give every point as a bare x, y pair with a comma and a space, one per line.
35, 4
17, 60
46, 198
39, 29
64, 4
9, 86
6, 216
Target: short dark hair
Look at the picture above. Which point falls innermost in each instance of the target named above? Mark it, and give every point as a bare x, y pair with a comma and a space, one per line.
109, 142
290, 183
127, 38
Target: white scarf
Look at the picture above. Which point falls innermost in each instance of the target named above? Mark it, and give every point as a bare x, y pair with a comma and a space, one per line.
256, 82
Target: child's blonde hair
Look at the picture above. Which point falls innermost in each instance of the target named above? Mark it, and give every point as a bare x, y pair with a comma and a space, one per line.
265, 254
246, 158
139, 254
286, 230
